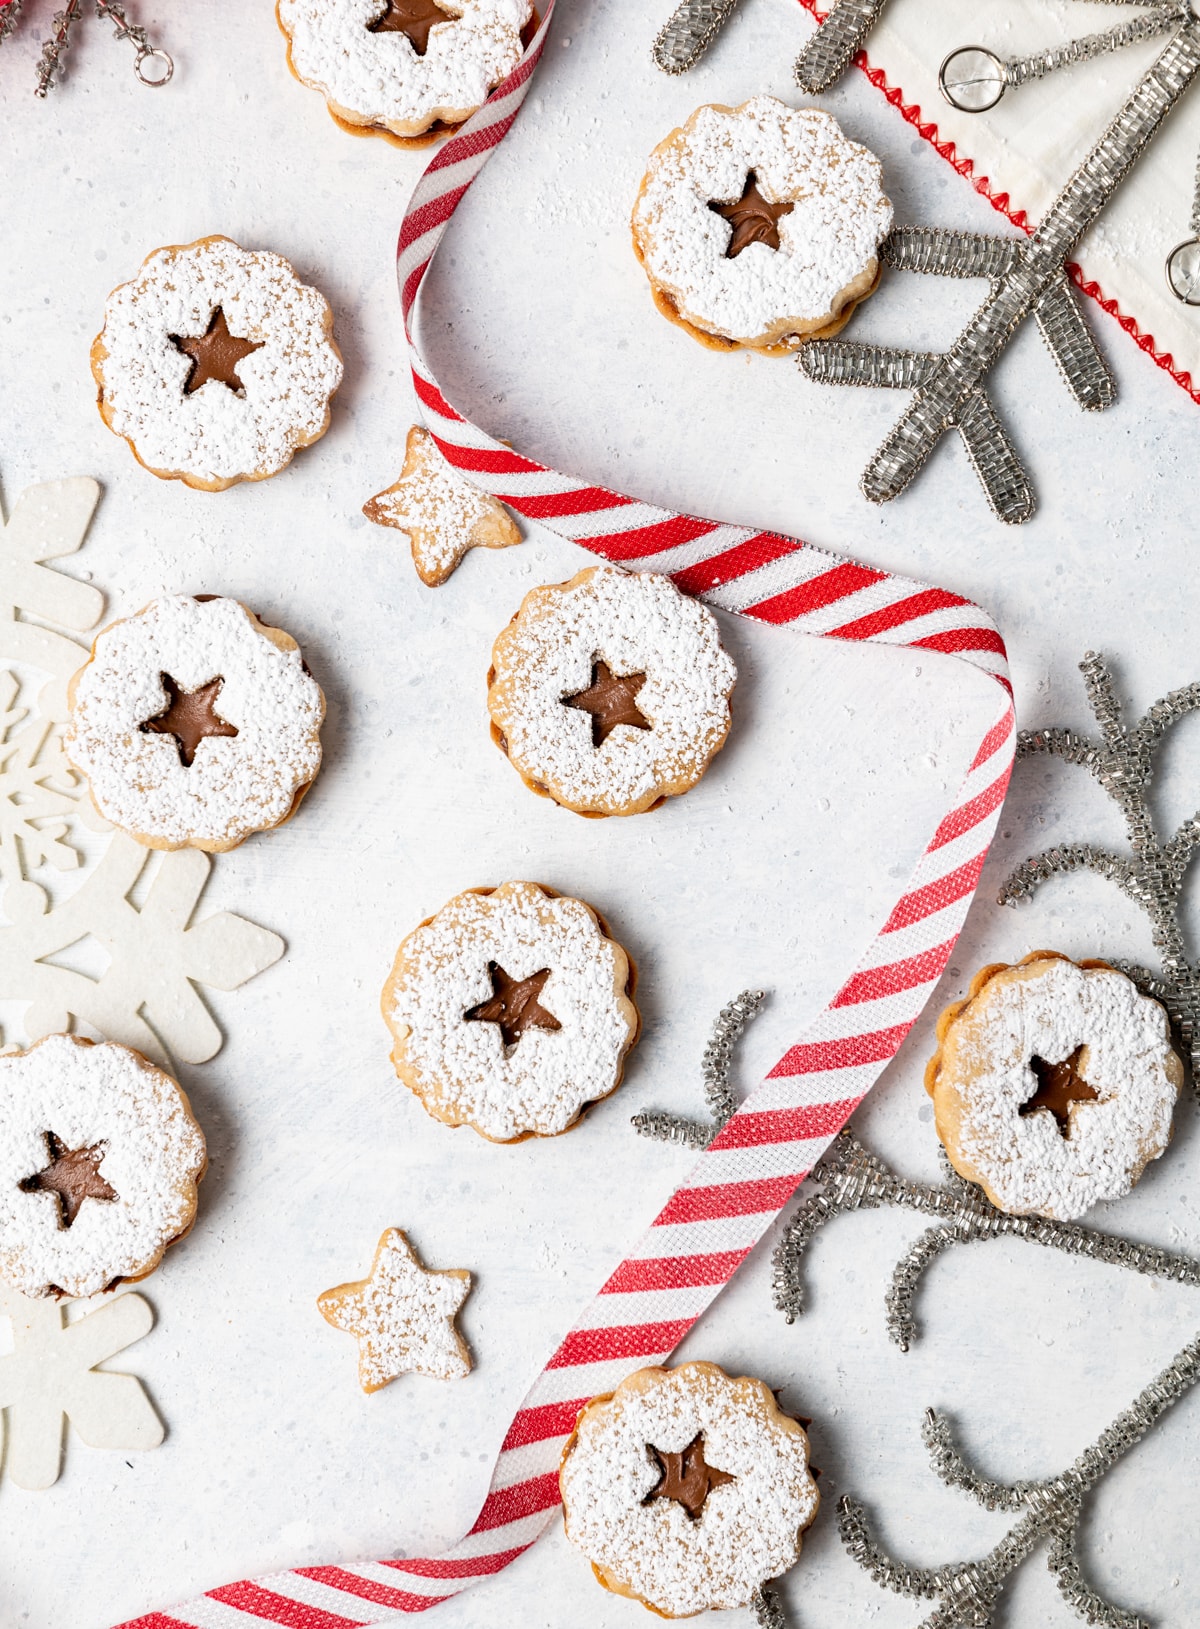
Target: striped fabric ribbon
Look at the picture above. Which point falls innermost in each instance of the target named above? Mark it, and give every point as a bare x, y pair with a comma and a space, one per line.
741, 1182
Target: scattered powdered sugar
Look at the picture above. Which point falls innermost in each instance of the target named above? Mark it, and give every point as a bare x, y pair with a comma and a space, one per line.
153, 1156
236, 784
826, 243
378, 78
1047, 1011
216, 434
636, 623
402, 1316
748, 1530
458, 1067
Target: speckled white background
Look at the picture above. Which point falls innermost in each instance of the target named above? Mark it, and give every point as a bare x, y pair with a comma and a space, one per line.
773, 871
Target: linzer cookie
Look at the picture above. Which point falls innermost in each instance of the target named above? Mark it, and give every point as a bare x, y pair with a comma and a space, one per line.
408, 69
99, 1161
759, 226
511, 1011
1054, 1084
610, 693
195, 724
687, 1489
443, 514
216, 364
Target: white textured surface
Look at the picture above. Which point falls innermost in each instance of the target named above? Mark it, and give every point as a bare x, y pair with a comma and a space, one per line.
827, 240
771, 872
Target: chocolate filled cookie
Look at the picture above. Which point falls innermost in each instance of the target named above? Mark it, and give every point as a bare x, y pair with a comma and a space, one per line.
511, 1009
610, 693
759, 226
1054, 1084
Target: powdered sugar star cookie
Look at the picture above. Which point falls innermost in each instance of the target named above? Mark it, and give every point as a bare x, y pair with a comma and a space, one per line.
1054, 1084
758, 226
402, 1316
216, 363
196, 724
99, 1161
403, 67
443, 514
511, 1010
687, 1489
610, 693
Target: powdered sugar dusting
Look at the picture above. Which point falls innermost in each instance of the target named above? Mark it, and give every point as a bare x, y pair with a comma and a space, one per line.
827, 243
636, 623
153, 1156
214, 434
378, 78
1047, 1009
235, 785
459, 1068
748, 1530
443, 514
402, 1316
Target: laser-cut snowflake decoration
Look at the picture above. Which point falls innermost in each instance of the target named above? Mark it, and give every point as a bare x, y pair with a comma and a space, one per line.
146, 997
37, 788
156, 952
51, 1377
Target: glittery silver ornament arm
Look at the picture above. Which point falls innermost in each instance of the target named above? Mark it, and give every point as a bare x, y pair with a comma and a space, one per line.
767, 1608
850, 1178
53, 50
832, 47
1152, 875
966, 1593
1029, 280
688, 33
714, 1068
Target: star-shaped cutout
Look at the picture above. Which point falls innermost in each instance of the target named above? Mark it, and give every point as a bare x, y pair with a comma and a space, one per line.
402, 1316
687, 1477
754, 218
190, 716
1059, 1085
514, 1004
215, 354
72, 1175
412, 17
611, 699
443, 514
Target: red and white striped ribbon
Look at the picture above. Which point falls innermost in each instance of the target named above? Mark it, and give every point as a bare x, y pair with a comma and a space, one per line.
739, 1184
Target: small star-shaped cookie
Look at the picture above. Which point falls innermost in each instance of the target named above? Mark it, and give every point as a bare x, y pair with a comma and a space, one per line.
443, 514
402, 1316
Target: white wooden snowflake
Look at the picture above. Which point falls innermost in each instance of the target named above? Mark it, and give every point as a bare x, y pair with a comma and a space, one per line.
156, 955
51, 1375
146, 996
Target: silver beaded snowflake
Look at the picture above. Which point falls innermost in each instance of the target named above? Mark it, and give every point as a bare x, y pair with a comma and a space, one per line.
152, 65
